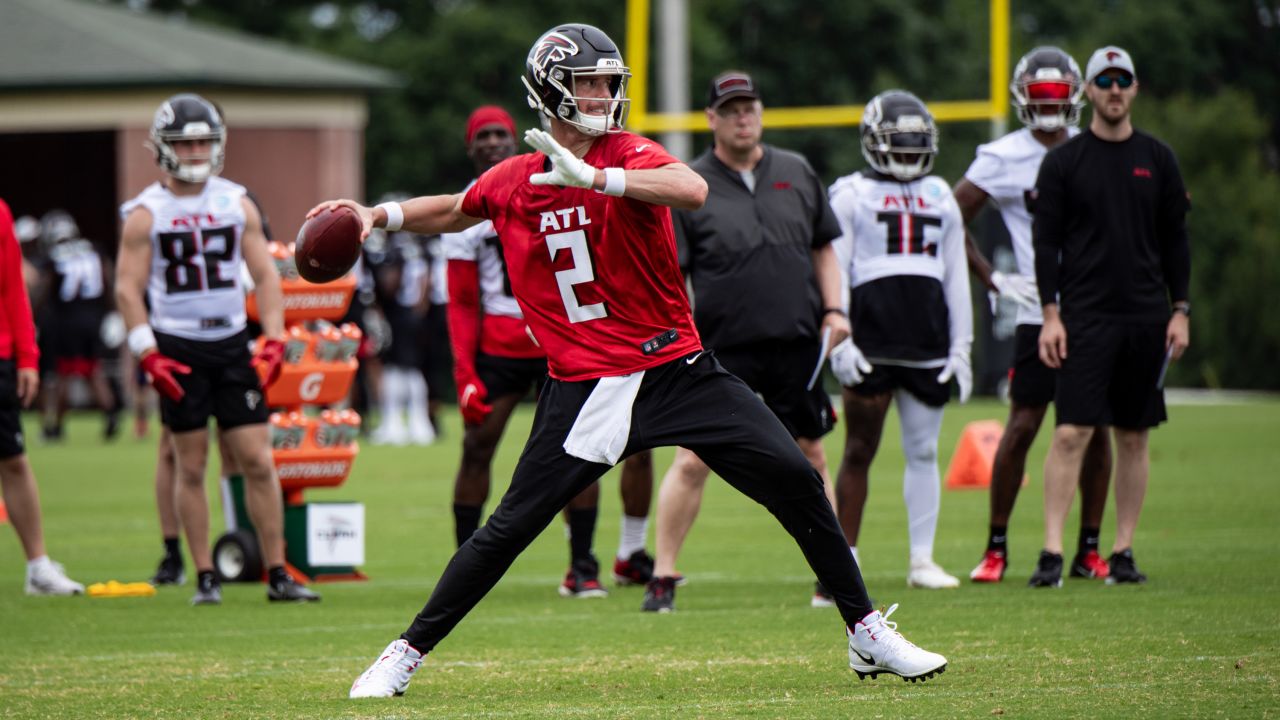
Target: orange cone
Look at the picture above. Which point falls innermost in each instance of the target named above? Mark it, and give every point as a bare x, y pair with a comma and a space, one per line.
975, 454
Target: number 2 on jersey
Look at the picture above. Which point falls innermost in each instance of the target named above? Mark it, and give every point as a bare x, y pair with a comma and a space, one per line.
576, 242
215, 245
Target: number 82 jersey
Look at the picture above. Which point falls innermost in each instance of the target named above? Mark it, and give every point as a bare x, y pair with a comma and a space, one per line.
903, 249
194, 290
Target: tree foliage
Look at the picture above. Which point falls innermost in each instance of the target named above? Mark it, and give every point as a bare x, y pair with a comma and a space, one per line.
1210, 88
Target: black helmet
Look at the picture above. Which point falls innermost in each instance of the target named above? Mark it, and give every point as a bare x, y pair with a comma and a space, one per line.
899, 137
188, 117
564, 53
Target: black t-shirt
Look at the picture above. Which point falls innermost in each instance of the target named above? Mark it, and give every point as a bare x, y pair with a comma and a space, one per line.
748, 254
1109, 229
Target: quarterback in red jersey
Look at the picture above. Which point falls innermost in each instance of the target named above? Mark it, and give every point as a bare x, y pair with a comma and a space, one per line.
586, 231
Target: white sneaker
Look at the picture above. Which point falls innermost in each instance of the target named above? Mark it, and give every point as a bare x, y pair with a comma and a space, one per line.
876, 646
389, 674
925, 573
422, 435
395, 436
49, 578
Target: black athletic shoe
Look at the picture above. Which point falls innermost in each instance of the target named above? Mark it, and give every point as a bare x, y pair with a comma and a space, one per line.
287, 590
208, 591
1048, 571
1123, 569
635, 570
583, 580
660, 595
169, 572
112, 427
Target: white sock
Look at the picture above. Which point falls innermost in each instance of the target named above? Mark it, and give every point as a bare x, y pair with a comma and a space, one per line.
419, 421
921, 486
38, 563
393, 388
631, 539
853, 550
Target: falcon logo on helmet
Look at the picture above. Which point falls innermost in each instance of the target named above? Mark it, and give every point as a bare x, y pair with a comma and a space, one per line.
899, 137
552, 48
188, 117
555, 62
1047, 90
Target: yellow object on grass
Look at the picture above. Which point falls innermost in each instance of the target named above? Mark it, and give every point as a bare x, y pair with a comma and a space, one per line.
112, 588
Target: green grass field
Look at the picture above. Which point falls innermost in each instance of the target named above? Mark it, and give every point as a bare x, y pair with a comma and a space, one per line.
1201, 639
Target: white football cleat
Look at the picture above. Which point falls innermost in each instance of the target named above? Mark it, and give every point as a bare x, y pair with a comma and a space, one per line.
925, 573
389, 675
876, 646
49, 578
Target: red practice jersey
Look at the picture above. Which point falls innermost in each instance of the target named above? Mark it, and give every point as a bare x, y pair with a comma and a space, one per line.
596, 276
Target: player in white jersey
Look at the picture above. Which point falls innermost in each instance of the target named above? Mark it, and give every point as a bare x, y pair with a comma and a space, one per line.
903, 247
1047, 91
184, 239
496, 362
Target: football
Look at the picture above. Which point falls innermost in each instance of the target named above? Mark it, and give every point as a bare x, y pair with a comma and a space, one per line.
328, 245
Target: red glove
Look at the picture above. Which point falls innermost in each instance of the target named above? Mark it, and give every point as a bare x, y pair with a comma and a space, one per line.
471, 402
161, 370
269, 358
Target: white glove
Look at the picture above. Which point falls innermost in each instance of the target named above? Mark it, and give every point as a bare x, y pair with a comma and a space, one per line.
566, 169
958, 367
1017, 288
848, 364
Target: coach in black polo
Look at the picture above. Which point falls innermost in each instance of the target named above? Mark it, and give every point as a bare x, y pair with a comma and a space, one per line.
766, 283
1112, 264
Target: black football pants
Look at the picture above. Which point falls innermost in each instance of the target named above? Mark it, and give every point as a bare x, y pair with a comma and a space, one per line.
699, 406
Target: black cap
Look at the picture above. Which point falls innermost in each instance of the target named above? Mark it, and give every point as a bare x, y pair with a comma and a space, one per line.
729, 85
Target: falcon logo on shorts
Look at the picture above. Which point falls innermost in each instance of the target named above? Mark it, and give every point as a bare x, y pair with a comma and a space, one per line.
551, 49
252, 398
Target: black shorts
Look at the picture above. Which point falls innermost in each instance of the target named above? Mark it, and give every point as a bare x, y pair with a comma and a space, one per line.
920, 382
434, 353
1109, 375
779, 372
75, 334
511, 376
222, 383
11, 442
1031, 382
404, 349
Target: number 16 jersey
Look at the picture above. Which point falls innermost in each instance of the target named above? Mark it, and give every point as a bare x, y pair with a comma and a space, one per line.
194, 289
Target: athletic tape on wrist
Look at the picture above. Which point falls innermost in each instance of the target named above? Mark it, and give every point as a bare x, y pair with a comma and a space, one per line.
141, 339
615, 181
395, 215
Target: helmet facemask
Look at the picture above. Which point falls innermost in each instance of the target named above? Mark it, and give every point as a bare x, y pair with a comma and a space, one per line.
1047, 90
170, 127
558, 60
903, 149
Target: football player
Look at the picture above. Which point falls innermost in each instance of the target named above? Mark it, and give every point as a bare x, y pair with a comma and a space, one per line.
75, 301
1048, 93
496, 363
585, 227
909, 307
183, 242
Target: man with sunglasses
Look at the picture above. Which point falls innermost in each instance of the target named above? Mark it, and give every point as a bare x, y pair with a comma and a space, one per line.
1111, 255
1048, 92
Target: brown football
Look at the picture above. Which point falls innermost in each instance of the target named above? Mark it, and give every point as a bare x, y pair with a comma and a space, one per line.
328, 245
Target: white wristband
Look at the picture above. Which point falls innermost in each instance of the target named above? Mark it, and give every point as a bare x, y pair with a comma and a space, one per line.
395, 215
141, 339
615, 181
